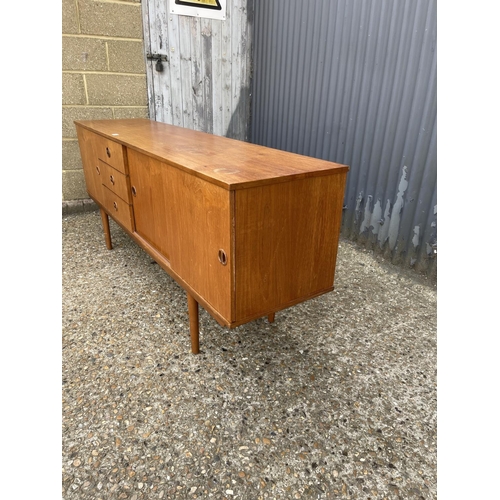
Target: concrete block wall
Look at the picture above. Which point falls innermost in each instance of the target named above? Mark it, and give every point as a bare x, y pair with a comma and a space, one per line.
103, 74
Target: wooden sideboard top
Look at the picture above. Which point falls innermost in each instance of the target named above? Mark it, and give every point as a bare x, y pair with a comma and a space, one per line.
229, 163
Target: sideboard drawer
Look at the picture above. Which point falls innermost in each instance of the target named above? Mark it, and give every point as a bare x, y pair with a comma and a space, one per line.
111, 152
118, 209
115, 181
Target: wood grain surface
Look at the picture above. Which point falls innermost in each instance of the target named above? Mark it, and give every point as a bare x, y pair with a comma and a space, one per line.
228, 163
199, 221
286, 242
246, 230
115, 181
149, 180
90, 162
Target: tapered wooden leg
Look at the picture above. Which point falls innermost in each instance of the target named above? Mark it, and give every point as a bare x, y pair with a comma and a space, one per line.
194, 326
105, 226
270, 318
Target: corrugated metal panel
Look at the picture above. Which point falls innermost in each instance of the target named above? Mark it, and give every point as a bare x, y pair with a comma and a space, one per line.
354, 81
205, 84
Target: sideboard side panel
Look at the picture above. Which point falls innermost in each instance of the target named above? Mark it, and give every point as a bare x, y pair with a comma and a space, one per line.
286, 242
91, 171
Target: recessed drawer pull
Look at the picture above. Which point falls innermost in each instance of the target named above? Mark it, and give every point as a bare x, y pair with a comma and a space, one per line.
112, 180
134, 191
115, 206
222, 257
108, 152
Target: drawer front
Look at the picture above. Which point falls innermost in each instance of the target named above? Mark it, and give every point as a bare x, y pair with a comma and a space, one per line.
111, 152
115, 181
118, 209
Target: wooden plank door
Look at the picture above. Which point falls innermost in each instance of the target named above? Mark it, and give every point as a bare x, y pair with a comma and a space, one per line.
205, 82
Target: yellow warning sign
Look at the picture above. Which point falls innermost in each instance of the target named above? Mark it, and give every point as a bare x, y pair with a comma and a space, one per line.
210, 9
210, 4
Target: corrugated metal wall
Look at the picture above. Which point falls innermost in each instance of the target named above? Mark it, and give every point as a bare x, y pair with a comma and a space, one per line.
354, 81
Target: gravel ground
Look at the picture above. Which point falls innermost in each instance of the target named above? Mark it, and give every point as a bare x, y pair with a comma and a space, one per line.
335, 399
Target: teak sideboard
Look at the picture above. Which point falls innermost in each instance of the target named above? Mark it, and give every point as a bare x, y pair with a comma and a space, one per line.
246, 230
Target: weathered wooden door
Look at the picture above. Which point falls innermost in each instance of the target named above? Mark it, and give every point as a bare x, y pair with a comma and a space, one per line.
199, 69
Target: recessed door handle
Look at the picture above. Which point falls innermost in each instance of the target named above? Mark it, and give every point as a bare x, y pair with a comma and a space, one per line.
222, 257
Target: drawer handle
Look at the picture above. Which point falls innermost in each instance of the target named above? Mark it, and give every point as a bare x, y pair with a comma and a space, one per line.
115, 206
108, 152
222, 257
112, 180
134, 191
98, 170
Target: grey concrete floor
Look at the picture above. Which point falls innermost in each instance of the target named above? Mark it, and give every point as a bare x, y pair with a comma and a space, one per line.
335, 399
